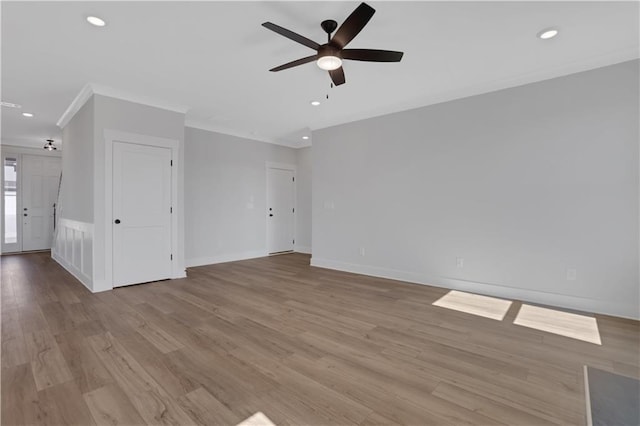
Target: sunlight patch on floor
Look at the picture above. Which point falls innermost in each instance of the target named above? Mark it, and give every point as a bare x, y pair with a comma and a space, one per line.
474, 304
258, 419
566, 324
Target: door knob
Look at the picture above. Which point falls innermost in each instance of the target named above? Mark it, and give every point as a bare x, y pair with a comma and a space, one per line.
117, 221
270, 215
25, 214
25, 209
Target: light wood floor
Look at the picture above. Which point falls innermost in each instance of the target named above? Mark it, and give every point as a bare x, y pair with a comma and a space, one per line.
302, 345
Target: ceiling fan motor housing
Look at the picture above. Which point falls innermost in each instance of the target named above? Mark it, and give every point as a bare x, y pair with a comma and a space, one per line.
329, 26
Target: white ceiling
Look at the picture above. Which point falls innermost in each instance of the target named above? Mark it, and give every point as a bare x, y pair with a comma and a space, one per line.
214, 58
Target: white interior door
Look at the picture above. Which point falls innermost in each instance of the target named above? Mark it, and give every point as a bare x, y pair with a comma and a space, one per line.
280, 210
40, 178
142, 213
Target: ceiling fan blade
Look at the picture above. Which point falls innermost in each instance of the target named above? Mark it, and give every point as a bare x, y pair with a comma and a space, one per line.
352, 25
372, 55
337, 76
295, 63
291, 35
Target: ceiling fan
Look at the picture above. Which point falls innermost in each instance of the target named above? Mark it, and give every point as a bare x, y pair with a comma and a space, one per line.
329, 56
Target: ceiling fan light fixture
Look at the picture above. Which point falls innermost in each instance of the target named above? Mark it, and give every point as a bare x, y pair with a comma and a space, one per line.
329, 62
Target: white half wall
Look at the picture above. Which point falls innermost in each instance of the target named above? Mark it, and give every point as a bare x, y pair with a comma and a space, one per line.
527, 185
225, 195
73, 249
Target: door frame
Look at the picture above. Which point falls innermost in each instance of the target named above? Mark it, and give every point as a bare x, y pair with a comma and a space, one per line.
18, 152
288, 167
111, 136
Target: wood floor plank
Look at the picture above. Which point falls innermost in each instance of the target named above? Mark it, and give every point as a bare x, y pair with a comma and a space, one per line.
206, 410
303, 345
19, 396
110, 406
150, 399
47, 362
65, 404
14, 352
87, 370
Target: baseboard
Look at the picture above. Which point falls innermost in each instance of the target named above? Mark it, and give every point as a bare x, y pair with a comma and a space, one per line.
302, 249
560, 300
84, 279
232, 257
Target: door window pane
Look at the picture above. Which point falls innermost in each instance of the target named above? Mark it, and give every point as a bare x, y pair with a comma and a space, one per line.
10, 201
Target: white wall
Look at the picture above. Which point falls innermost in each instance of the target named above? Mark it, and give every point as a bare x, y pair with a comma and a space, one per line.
73, 239
76, 193
523, 184
303, 200
225, 195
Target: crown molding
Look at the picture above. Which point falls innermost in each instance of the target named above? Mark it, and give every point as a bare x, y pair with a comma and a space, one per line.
124, 95
91, 89
81, 98
239, 134
246, 135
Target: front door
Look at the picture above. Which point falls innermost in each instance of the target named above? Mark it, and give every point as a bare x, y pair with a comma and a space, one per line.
142, 213
40, 178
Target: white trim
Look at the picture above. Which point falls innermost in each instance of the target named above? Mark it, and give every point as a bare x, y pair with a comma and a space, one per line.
223, 258
91, 89
124, 95
281, 166
302, 249
210, 127
111, 136
81, 98
294, 169
64, 253
84, 279
629, 310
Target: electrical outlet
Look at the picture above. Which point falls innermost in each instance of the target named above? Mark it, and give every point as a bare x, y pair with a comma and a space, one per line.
459, 262
572, 274
361, 251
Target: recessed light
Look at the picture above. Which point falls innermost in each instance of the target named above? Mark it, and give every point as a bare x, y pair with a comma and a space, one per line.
305, 137
94, 20
548, 33
315, 103
27, 114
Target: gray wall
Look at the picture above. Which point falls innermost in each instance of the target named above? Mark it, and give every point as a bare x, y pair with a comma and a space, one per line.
76, 193
523, 184
303, 200
225, 195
